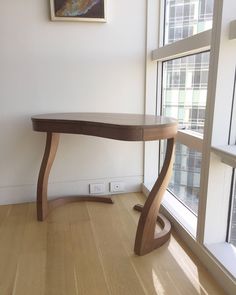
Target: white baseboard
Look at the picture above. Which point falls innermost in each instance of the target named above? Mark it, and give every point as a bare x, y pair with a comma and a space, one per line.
27, 193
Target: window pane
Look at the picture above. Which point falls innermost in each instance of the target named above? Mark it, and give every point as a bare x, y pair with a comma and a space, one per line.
184, 90
185, 180
233, 219
184, 18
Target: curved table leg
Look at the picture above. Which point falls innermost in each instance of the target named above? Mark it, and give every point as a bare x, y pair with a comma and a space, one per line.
43, 205
42, 187
146, 239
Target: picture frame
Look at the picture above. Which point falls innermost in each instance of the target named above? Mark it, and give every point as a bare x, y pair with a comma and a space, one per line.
78, 10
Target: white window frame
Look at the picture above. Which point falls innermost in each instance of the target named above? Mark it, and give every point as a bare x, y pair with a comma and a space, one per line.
206, 236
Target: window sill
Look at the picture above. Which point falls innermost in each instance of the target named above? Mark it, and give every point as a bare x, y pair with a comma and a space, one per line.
225, 253
227, 154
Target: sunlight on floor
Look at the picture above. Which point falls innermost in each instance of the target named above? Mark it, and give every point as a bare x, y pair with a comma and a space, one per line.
188, 266
157, 284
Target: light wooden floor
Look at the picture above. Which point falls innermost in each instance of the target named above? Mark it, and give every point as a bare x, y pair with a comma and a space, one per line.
87, 248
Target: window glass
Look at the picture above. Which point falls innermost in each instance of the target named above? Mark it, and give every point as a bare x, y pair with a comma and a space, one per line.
184, 90
206, 9
185, 180
184, 18
232, 233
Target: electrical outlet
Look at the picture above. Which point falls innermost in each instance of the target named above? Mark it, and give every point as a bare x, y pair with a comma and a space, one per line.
96, 188
117, 186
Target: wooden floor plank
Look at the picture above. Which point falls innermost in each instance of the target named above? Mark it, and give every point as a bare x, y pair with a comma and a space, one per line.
4, 212
121, 276
30, 278
153, 275
173, 270
87, 249
60, 268
88, 267
11, 237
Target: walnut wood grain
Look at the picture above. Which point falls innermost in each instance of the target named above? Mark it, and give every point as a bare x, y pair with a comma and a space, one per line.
146, 239
127, 127
42, 187
162, 236
52, 204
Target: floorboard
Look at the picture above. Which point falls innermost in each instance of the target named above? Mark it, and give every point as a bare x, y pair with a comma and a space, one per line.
87, 249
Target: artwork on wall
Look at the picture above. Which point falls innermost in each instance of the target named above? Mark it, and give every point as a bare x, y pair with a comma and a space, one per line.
78, 10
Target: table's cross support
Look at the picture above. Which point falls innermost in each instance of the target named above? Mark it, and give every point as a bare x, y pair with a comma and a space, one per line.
146, 237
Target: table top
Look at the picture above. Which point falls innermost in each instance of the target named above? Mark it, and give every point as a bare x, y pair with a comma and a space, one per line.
130, 127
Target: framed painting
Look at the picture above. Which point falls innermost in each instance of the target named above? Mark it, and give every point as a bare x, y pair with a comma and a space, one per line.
78, 10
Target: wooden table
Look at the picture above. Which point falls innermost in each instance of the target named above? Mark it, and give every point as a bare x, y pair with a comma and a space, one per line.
127, 127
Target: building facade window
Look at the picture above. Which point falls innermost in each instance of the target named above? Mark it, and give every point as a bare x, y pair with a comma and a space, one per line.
185, 181
184, 18
184, 92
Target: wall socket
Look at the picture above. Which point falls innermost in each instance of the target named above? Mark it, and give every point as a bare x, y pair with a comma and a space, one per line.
117, 186
96, 188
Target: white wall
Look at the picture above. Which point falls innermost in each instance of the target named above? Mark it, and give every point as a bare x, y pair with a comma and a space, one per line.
66, 67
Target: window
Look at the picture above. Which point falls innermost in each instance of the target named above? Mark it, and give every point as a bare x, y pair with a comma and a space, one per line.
185, 180
184, 81
183, 95
184, 18
206, 10
195, 81
184, 90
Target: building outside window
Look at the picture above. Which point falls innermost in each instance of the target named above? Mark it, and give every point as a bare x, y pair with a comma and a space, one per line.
184, 18
184, 92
